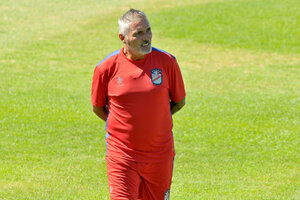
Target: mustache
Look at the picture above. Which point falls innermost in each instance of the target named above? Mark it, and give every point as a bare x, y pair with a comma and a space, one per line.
146, 42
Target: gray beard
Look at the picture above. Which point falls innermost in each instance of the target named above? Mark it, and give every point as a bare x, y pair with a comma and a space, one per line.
145, 52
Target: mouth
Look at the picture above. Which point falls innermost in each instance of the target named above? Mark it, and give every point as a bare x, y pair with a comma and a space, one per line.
146, 44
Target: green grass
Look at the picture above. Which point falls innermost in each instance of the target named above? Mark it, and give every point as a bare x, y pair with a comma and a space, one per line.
260, 25
236, 138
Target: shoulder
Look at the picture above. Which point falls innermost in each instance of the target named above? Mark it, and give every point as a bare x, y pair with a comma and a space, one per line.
108, 61
163, 54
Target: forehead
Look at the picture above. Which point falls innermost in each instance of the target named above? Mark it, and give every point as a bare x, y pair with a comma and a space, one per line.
139, 24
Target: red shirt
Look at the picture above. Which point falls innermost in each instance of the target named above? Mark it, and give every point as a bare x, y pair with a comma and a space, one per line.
138, 95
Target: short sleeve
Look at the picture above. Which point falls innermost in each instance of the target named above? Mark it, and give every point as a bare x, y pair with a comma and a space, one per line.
176, 84
99, 87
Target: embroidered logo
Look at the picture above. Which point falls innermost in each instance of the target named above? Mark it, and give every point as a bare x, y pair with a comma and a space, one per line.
167, 195
120, 81
156, 76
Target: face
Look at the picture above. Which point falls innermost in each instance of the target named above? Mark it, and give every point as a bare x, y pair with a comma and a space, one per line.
138, 39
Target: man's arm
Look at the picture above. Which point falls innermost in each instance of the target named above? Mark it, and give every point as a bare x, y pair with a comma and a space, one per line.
101, 112
177, 106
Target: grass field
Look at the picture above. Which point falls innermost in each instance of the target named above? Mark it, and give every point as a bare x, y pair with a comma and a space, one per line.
236, 138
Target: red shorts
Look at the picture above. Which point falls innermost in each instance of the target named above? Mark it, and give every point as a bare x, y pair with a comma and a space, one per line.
129, 180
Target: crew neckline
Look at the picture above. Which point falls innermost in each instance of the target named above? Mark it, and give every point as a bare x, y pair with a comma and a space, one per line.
142, 61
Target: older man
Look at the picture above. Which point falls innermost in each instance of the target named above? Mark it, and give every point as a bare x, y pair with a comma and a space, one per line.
136, 90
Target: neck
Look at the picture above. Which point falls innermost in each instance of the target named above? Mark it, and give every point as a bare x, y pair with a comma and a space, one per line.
131, 55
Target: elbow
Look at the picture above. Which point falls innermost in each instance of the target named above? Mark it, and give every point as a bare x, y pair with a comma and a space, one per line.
182, 103
95, 109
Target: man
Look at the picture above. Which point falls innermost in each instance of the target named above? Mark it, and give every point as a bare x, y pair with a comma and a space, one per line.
136, 90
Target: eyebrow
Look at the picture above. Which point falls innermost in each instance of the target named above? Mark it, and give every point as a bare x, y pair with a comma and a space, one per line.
139, 31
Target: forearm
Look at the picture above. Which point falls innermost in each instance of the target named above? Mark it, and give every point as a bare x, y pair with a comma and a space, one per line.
101, 112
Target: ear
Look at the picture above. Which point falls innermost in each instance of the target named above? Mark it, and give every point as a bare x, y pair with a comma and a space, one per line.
122, 38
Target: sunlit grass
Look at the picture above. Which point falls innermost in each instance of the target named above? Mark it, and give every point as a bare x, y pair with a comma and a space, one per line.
236, 138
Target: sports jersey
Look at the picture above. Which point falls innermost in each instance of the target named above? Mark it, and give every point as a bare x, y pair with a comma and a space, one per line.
137, 95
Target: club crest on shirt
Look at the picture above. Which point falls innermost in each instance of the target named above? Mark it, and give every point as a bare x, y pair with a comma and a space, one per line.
156, 76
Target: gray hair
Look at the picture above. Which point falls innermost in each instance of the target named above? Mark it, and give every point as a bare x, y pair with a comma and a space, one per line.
129, 17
